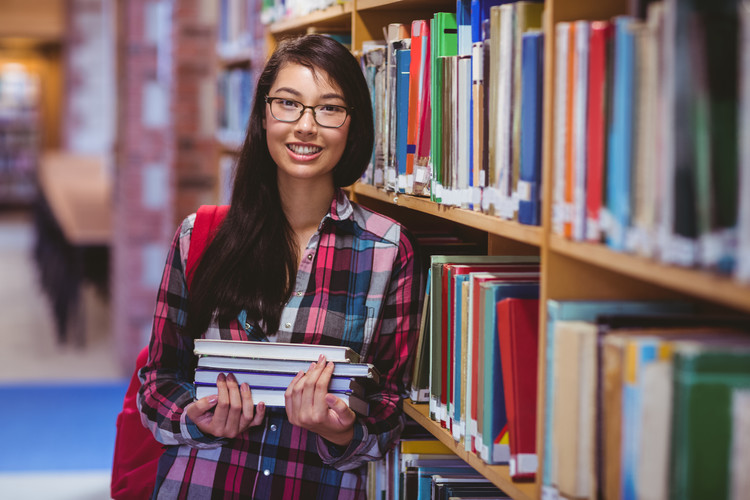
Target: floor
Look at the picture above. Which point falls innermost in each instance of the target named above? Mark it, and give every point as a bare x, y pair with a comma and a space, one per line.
59, 401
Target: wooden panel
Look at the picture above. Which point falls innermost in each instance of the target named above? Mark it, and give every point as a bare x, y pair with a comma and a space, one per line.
43, 19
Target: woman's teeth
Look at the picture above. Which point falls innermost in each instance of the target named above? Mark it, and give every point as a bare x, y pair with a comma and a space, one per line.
303, 150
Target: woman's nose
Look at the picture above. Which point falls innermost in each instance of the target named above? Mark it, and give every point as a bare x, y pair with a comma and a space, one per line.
306, 122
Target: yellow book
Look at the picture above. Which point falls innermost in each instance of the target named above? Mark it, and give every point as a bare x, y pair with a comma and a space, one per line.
424, 446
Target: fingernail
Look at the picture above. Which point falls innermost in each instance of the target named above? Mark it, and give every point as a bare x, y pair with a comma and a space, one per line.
244, 387
321, 358
261, 406
221, 377
213, 399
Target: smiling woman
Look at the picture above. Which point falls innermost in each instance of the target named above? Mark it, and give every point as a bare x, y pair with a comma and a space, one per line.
293, 261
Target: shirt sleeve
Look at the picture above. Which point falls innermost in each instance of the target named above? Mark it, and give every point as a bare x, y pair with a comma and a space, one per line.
167, 381
394, 342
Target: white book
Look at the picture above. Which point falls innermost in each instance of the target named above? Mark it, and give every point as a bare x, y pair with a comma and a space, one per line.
290, 366
743, 219
274, 350
561, 105
271, 380
583, 35
275, 397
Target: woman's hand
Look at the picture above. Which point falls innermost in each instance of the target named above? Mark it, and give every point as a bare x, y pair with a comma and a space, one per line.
311, 406
233, 413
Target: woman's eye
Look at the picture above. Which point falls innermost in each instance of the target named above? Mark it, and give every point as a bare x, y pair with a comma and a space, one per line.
288, 103
329, 109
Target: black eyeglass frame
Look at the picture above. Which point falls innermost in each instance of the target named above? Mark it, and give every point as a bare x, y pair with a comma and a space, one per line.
269, 100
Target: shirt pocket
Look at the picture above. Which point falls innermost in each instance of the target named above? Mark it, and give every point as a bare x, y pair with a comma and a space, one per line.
352, 329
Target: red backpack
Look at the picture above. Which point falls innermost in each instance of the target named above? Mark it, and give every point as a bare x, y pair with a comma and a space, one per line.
136, 451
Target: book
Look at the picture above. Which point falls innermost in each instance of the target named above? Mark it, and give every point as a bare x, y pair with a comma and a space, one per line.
518, 333
235, 364
530, 177
705, 382
373, 57
275, 397
562, 49
620, 150
742, 269
271, 380
274, 350
417, 80
596, 122
580, 98
403, 62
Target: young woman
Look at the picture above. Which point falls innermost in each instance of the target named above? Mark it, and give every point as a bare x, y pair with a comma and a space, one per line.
294, 261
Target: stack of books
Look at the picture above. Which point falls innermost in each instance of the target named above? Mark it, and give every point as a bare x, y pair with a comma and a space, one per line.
269, 367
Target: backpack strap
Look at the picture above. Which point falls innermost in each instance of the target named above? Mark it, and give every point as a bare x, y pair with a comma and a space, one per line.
207, 221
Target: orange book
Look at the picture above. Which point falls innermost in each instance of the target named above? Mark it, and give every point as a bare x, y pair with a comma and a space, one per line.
419, 38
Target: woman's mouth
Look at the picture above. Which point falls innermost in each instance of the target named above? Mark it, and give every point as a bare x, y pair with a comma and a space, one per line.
304, 150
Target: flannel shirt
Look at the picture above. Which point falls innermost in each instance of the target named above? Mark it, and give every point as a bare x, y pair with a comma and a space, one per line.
360, 285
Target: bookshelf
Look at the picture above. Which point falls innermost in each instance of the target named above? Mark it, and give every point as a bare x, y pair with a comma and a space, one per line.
570, 270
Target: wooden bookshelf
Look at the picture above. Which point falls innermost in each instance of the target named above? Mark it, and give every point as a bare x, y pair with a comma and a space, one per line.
498, 474
570, 270
530, 235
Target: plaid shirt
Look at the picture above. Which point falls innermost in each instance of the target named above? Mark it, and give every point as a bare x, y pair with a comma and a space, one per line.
359, 285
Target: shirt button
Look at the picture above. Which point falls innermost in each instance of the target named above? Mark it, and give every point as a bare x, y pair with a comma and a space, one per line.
287, 325
299, 294
273, 427
266, 472
309, 256
247, 326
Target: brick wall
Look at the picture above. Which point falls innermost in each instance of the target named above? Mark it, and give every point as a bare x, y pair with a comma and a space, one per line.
166, 158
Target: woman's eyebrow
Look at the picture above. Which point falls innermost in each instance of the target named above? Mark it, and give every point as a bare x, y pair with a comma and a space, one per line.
330, 95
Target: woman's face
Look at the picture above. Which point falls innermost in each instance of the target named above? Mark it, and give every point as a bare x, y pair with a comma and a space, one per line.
303, 149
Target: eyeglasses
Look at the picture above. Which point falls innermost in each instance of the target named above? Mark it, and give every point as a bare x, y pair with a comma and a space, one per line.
325, 115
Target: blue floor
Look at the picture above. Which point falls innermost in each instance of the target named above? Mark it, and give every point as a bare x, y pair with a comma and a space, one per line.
59, 427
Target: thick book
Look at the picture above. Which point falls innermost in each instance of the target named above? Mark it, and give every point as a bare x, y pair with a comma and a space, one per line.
707, 382
518, 333
403, 62
275, 397
272, 380
530, 180
417, 80
596, 122
358, 370
274, 350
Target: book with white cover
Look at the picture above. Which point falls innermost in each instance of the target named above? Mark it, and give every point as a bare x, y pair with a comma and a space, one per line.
290, 366
275, 397
274, 350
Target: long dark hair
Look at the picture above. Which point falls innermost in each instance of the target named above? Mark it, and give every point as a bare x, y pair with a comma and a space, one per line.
251, 263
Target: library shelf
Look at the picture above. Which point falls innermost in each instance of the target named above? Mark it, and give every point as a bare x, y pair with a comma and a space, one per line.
336, 16
530, 235
363, 5
706, 285
498, 474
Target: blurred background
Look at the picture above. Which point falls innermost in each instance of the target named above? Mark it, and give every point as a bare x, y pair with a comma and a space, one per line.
108, 126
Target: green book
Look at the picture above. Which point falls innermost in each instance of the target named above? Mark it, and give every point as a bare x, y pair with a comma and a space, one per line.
443, 42
706, 379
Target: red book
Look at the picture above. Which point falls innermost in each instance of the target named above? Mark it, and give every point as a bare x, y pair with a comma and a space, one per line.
596, 124
518, 332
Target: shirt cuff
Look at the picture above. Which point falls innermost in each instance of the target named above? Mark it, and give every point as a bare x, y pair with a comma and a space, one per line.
194, 437
332, 453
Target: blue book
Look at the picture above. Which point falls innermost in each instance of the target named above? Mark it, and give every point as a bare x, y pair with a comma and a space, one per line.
529, 186
403, 61
480, 12
583, 310
424, 474
494, 416
620, 151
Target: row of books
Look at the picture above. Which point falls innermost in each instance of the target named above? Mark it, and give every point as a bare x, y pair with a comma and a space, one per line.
239, 31
235, 88
477, 357
458, 107
423, 468
644, 400
279, 10
651, 126
269, 367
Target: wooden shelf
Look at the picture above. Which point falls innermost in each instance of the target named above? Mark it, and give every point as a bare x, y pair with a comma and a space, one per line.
702, 284
530, 235
498, 474
434, 5
335, 16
